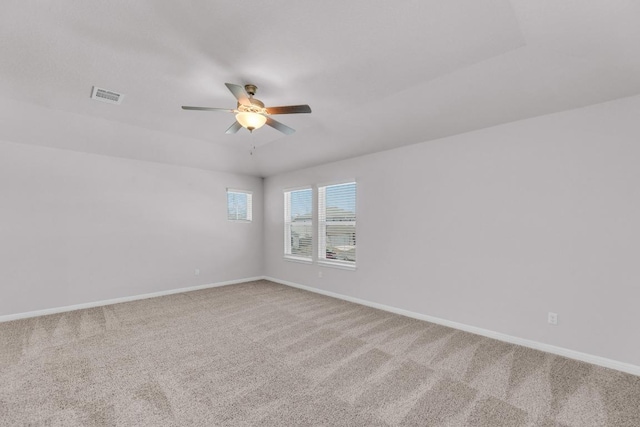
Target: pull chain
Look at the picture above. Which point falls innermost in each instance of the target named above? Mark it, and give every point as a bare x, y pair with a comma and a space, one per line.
253, 145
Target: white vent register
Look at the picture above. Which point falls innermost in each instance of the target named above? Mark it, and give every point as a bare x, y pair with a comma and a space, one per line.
104, 95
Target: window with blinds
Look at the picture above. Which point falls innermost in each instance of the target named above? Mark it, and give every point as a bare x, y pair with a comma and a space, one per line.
239, 205
298, 224
337, 223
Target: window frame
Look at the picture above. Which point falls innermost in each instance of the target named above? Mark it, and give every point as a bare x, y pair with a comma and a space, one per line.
287, 225
321, 227
249, 215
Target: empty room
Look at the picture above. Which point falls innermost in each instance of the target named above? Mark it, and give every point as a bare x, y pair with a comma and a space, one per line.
332, 213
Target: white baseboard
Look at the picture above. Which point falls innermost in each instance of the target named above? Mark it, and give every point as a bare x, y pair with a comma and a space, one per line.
560, 351
9, 317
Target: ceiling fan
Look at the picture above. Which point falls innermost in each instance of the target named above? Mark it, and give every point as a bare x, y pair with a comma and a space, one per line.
251, 112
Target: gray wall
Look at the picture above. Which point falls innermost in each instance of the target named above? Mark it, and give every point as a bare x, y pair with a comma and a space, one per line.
78, 228
497, 227
492, 228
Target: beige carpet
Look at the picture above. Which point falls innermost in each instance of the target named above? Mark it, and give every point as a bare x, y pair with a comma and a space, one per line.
264, 354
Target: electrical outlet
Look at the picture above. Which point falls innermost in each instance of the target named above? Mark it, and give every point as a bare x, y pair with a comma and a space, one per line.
552, 318
320, 274
196, 272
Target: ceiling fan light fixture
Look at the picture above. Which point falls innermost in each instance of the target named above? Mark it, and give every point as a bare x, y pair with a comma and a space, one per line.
251, 113
250, 120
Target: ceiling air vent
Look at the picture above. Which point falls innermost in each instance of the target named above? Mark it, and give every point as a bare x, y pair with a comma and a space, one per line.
106, 95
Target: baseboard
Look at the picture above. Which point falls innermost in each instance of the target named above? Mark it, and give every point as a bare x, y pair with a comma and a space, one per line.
9, 317
560, 351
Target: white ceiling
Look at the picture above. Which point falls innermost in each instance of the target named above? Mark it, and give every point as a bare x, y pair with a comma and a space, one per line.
377, 74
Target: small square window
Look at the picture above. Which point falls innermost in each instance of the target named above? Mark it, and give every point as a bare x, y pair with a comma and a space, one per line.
239, 205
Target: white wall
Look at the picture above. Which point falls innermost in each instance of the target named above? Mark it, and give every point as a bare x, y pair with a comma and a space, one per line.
497, 227
78, 228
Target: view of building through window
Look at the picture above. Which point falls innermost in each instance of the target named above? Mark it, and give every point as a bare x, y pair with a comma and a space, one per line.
336, 232
337, 222
298, 223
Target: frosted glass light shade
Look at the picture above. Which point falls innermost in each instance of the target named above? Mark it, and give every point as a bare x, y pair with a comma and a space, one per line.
250, 120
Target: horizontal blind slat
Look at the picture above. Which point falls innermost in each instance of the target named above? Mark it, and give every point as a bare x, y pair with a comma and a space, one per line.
298, 223
337, 222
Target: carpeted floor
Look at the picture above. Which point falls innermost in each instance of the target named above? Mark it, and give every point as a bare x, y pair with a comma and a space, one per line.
264, 354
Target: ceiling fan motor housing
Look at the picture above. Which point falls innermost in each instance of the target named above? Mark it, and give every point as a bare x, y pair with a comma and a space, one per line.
256, 107
256, 102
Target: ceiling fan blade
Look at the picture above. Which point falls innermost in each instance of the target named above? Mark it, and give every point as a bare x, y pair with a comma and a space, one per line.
289, 109
279, 126
239, 92
226, 110
234, 128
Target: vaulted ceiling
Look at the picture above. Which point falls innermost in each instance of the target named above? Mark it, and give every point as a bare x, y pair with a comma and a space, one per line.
377, 74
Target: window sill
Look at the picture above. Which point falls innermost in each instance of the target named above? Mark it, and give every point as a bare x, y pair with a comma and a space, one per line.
298, 259
340, 265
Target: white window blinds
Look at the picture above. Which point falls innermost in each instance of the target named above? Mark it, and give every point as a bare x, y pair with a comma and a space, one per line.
337, 223
298, 225
239, 205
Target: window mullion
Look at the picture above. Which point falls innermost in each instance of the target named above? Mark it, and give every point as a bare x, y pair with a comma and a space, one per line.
316, 222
